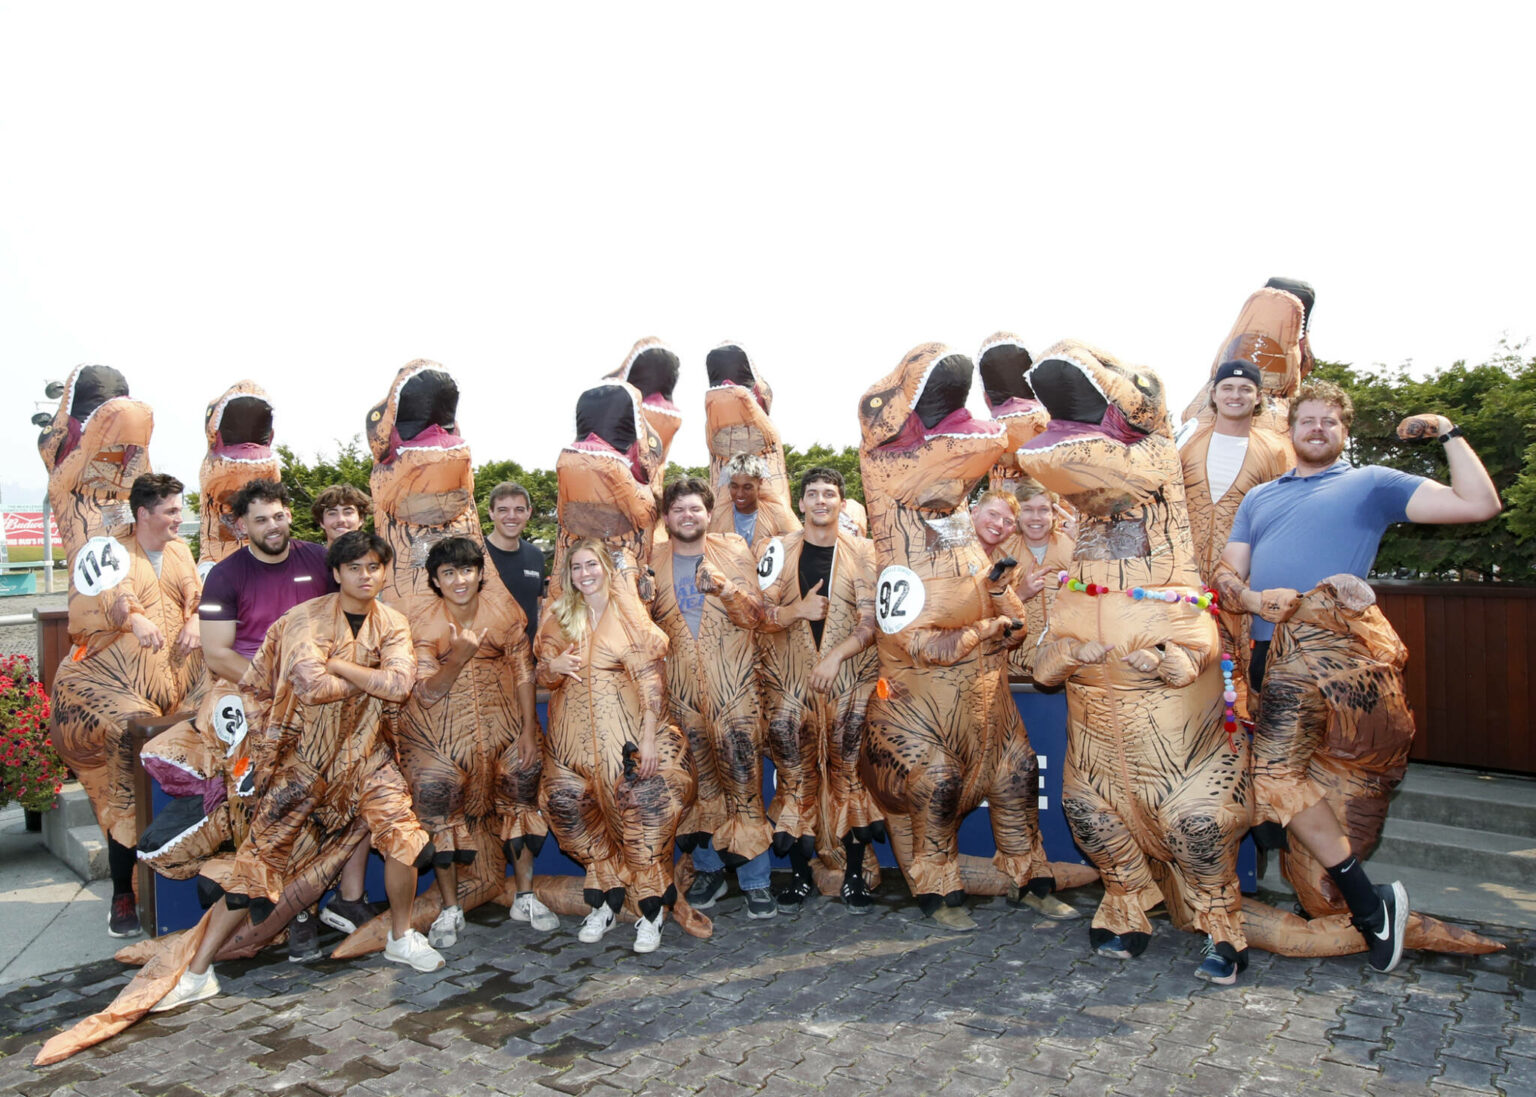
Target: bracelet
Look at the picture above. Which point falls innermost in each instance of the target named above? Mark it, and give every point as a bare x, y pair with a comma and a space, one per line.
1454, 432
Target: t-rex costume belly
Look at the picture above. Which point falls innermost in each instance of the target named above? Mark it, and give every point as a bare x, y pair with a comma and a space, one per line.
712, 695
423, 482
606, 481
813, 738
736, 420
932, 750
1002, 363
620, 828
1154, 791
239, 431
109, 679
1037, 609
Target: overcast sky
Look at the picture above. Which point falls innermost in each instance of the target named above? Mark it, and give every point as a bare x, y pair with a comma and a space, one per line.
312, 195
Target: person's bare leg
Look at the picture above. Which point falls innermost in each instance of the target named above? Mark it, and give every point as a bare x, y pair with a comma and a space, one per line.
353, 873
522, 871
447, 884
400, 886
1320, 832
221, 927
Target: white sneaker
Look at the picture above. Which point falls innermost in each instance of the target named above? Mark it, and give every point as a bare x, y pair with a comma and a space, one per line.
413, 949
648, 932
444, 932
527, 908
189, 988
596, 924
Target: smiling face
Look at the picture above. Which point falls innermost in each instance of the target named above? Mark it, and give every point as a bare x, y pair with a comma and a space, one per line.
587, 574
1235, 399
1319, 433
687, 519
821, 503
1035, 520
510, 515
459, 584
993, 521
743, 489
156, 526
342, 518
266, 525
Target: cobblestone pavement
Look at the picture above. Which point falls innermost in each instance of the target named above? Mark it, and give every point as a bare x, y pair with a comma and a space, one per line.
818, 1003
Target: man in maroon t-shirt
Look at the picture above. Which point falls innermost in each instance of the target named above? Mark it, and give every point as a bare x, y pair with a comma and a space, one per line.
243, 594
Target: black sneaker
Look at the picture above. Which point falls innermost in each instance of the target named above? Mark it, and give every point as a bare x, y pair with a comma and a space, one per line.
348, 915
793, 897
303, 938
856, 896
123, 921
706, 888
761, 903
1386, 940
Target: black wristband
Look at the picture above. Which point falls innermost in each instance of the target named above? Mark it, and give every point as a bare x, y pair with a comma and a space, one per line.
1454, 432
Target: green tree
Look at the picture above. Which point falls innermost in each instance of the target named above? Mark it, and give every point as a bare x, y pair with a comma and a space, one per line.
1495, 406
540, 483
845, 461
352, 465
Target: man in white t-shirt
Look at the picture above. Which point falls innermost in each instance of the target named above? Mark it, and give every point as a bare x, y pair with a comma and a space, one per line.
1222, 463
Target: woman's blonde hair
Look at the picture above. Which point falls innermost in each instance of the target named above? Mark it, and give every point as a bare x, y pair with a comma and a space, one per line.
571, 608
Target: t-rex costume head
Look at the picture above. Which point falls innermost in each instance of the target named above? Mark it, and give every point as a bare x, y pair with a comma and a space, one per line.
736, 420
652, 368
606, 478
238, 426
1270, 332
423, 482
1002, 362
97, 445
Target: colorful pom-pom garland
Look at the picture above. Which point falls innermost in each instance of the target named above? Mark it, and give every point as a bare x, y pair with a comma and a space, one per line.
1229, 697
1205, 600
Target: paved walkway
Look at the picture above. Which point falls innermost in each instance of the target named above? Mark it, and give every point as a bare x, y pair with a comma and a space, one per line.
820, 1003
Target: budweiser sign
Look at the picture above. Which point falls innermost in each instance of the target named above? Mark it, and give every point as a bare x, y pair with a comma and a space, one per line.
25, 527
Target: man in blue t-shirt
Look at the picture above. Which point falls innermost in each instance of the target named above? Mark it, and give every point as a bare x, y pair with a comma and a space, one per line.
1325, 518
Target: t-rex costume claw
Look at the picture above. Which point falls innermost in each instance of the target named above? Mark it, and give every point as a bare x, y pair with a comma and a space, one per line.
1270, 332
620, 828
652, 368
813, 738
1155, 794
423, 483
931, 748
238, 426
606, 480
1002, 363
736, 420
712, 696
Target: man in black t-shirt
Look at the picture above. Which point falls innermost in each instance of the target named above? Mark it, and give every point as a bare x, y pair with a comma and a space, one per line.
518, 564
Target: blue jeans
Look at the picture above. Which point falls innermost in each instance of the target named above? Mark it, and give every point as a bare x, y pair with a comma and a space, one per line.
750, 876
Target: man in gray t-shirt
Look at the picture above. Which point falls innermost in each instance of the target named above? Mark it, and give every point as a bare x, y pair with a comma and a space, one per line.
1324, 519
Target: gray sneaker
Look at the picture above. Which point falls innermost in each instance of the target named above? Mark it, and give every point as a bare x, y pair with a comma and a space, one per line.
707, 888
761, 903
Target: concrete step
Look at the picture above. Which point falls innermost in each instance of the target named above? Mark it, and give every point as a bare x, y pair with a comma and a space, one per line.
1463, 798
71, 834
1461, 851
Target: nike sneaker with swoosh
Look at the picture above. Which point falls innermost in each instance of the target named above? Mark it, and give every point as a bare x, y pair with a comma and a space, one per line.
1386, 940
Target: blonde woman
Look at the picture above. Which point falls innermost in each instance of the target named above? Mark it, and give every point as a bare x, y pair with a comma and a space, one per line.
616, 777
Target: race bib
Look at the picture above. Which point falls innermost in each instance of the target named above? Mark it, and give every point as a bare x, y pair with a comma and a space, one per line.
101, 565
771, 565
899, 598
229, 721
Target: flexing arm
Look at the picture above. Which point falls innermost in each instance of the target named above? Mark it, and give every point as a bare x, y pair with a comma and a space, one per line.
1470, 496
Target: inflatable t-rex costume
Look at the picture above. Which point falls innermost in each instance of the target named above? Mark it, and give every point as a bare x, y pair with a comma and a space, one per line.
1002, 363
937, 741
652, 368
1270, 332
239, 430
618, 826
606, 481
712, 696
423, 482
814, 738
736, 420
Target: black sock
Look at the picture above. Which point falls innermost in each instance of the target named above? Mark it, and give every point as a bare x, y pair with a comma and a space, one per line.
855, 854
798, 862
121, 861
1364, 903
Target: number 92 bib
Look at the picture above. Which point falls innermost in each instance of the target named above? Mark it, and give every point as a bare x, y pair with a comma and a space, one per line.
899, 598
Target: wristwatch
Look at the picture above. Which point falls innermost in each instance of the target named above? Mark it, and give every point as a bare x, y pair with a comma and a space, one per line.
1454, 432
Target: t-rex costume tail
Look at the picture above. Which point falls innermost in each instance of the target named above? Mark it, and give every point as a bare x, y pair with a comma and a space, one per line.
932, 751
1002, 363
239, 430
736, 420
423, 482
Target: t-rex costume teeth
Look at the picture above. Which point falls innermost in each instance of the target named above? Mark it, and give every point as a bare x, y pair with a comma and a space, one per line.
737, 407
238, 426
1002, 364
713, 697
935, 743
423, 482
606, 481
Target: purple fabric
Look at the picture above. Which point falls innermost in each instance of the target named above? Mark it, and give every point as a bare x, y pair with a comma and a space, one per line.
242, 589
180, 782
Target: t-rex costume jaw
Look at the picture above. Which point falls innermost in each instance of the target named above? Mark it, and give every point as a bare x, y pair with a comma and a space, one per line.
423, 482
238, 426
932, 751
737, 406
813, 738
606, 482
1002, 363
713, 697
1155, 794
